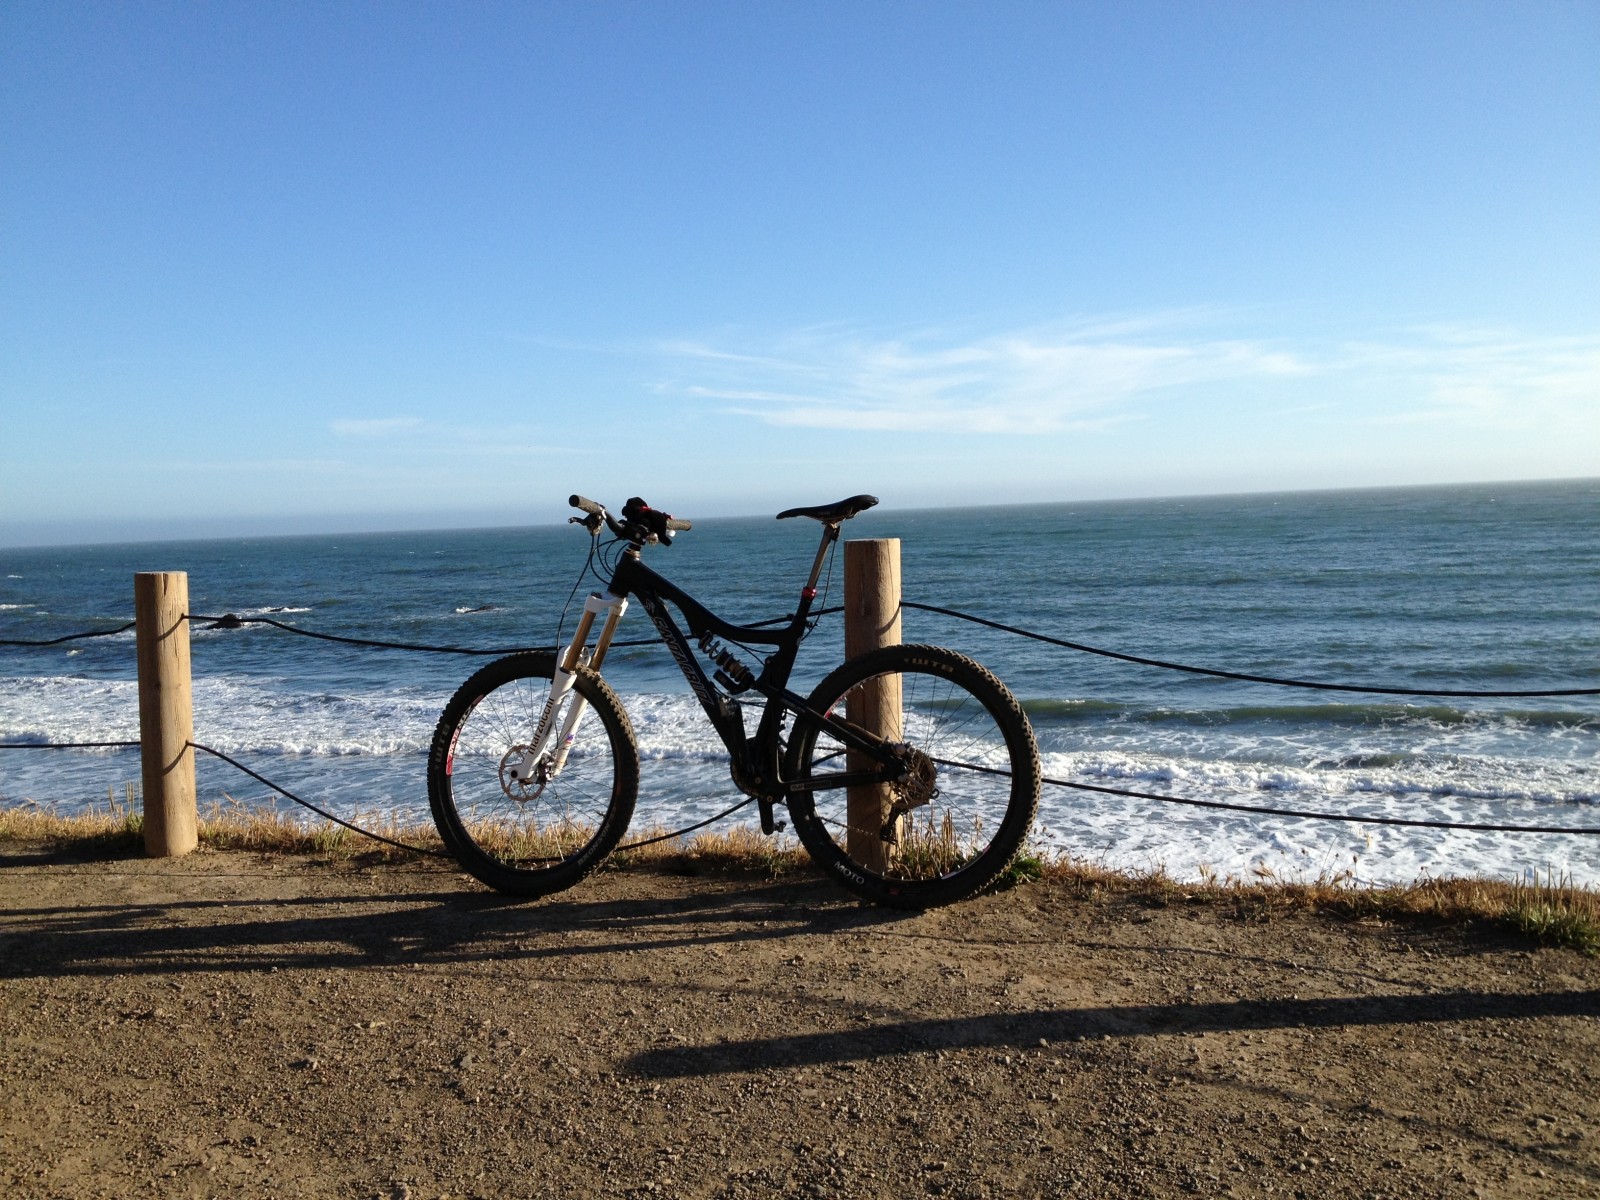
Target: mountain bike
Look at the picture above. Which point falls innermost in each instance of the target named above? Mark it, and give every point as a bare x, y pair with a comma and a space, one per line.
910, 773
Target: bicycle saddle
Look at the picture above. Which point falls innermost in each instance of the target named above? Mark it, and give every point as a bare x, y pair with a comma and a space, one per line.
832, 514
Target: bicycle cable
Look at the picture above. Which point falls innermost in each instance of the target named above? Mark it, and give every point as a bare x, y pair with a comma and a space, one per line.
827, 588
583, 571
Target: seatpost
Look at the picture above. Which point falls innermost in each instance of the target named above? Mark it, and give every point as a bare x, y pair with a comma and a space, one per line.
830, 535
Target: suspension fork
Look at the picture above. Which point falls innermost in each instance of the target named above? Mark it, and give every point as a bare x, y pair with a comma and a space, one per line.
576, 656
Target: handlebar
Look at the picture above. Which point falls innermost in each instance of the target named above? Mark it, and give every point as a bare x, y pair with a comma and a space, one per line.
640, 522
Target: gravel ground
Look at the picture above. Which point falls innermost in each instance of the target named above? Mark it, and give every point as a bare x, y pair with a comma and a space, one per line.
238, 1025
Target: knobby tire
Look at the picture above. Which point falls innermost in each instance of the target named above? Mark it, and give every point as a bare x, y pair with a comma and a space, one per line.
530, 844
986, 789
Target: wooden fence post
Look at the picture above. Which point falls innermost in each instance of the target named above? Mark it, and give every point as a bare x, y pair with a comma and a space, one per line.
166, 714
871, 620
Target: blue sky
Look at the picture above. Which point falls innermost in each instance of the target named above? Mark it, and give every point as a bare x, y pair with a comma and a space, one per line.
355, 266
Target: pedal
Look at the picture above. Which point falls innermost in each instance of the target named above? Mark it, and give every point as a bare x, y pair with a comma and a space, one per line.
769, 823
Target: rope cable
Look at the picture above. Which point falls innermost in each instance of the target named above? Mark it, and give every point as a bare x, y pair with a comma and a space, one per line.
1299, 683
1263, 810
283, 791
667, 837
67, 745
378, 837
1411, 822
70, 637
1189, 801
233, 621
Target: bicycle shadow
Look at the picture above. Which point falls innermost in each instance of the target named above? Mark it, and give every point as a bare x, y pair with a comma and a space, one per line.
424, 927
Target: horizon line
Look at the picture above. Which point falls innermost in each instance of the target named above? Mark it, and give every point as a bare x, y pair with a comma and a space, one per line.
11, 540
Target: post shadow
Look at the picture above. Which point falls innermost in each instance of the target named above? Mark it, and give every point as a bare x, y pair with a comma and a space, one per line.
1022, 1030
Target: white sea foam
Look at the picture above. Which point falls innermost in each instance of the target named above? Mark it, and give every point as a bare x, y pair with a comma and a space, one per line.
363, 750
229, 713
1132, 833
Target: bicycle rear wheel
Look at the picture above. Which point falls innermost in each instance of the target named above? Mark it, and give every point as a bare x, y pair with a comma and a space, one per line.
952, 825
514, 824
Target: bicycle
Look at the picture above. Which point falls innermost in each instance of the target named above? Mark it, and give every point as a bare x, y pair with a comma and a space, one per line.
910, 773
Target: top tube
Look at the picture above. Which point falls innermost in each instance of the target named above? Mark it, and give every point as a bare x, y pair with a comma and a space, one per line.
633, 575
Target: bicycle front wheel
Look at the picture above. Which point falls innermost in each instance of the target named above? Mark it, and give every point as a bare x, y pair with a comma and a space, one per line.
524, 824
953, 823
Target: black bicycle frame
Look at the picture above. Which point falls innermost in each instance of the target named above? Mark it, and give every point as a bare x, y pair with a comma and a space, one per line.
757, 761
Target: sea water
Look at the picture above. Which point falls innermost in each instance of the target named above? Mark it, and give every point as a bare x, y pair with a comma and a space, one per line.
1460, 588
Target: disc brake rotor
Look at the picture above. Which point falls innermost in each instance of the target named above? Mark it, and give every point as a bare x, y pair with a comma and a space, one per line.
522, 774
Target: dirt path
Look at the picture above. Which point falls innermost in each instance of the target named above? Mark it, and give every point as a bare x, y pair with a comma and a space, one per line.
231, 1025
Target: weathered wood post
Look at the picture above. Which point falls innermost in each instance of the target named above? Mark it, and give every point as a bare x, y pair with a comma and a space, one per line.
166, 714
871, 620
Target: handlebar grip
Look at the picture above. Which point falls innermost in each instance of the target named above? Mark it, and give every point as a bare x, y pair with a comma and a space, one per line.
678, 524
585, 504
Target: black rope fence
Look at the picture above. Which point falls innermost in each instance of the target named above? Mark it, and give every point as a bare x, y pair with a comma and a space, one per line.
233, 621
286, 793
1219, 674
68, 745
1261, 810
677, 833
321, 812
69, 637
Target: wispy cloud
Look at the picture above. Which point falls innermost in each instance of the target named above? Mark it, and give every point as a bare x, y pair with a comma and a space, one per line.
1485, 377
1101, 373
1039, 380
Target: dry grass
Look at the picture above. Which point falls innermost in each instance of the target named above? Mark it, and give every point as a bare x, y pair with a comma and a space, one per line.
118, 826
1549, 909
227, 825
739, 851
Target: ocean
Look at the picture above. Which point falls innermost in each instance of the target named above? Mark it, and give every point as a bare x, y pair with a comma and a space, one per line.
1489, 587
